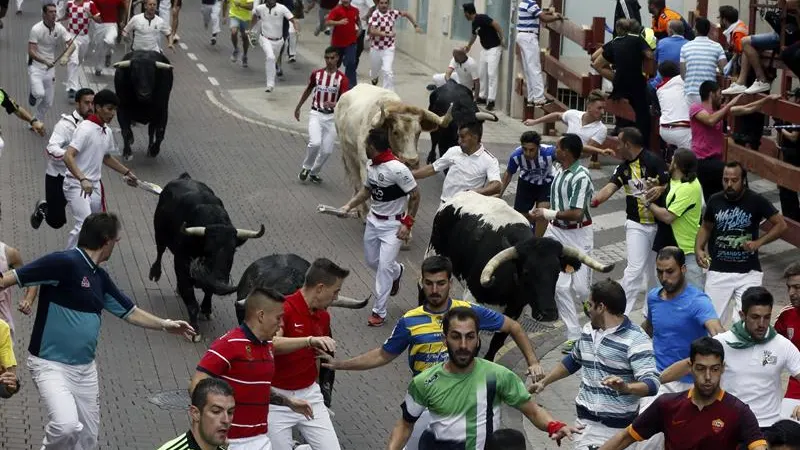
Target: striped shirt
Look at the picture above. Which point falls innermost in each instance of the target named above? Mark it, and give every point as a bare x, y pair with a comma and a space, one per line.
538, 171
327, 89
528, 16
185, 441
701, 56
625, 351
572, 188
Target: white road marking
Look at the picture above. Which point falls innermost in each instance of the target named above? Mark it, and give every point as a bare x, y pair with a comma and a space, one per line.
213, 81
202, 68
192, 56
183, 46
213, 99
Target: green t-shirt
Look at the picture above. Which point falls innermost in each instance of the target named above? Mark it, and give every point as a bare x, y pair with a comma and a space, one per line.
685, 200
459, 404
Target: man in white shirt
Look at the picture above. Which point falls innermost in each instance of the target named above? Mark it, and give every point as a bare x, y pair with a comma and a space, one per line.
147, 29
470, 167
388, 184
53, 207
42, 43
270, 36
90, 149
675, 126
463, 69
755, 358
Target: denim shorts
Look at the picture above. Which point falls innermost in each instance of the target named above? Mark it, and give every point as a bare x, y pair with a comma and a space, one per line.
765, 41
236, 22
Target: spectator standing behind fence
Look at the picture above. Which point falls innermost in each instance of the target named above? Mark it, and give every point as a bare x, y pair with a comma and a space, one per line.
700, 60
734, 31
790, 150
492, 42
627, 9
528, 28
750, 48
662, 16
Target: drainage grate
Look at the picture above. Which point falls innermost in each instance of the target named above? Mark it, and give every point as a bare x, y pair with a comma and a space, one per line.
178, 399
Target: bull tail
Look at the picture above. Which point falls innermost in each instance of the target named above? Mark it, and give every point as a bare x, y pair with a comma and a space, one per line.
185, 176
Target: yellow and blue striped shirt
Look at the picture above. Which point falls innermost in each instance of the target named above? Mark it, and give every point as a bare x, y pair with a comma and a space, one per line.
420, 331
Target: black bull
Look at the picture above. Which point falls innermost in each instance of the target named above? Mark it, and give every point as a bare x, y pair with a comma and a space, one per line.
143, 81
192, 222
500, 260
464, 111
286, 274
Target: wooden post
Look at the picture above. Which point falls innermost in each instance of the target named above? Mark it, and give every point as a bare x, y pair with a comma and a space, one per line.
554, 48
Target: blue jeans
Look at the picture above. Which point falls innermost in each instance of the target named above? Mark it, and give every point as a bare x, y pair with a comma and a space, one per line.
349, 58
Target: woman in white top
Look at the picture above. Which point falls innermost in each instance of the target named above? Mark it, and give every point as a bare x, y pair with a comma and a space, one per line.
588, 125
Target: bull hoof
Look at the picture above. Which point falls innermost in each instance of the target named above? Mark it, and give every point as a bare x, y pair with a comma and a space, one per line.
155, 273
197, 338
153, 151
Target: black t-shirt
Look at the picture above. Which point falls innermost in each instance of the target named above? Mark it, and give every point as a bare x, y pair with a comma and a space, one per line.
626, 53
735, 222
633, 177
482, 26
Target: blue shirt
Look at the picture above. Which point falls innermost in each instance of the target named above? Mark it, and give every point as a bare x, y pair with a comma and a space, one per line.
676, 323
669, 49
538, 171
528, 16
73, 292
701, 56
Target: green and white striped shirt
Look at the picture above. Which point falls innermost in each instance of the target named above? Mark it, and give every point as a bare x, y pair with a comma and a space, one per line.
572, 188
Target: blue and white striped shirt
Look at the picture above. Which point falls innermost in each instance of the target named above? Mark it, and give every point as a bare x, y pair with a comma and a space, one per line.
701, 56
538, 171
528, 16
626, 352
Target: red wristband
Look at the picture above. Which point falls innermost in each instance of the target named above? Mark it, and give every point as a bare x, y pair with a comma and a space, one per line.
408, 221
595, 203
554, 426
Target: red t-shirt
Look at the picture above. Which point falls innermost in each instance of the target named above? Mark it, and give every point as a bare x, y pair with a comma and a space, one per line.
109, 10
788, 325
298, 369
247, 364
344, 35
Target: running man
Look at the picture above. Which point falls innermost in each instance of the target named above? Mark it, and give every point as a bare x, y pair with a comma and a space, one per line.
42, 43
79, 16
239, 15
327, 86
105, 31
147, 29
270, 15
210, 415
381, 31
211, 9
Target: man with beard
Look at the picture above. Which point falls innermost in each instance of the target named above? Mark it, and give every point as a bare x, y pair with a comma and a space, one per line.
420, 331
705, 417
465, 393
757, 356
618, 367
788, 325
211, 414
730, 230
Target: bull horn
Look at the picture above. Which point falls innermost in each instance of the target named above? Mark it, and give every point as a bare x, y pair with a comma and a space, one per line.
121, 64
377, 123
161, 65
440, 121
250, 234
503, 256
193, 231
486, 116
586, 259
350, 303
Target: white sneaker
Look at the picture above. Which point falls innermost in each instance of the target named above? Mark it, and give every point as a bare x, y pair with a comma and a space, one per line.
758, 87
734, 89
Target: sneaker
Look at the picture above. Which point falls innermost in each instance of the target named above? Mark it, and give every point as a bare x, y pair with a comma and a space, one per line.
431, 87
375, 320
396, 283
567, 347
39, 212
268, 89
734, 89
481, 101
292, 59
108, 60
31, 100
235, 55
327, 32
758, 87
316, 32
542, 102
244, 61
490, 105
303, 174
98, 72
374, 81
214, 39
279, 71
315, 179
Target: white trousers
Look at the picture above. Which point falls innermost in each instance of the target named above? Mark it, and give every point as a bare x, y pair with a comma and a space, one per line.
641, 260
593, 435
419, 427
321, 138
382, 64
82, 43
317, 432
165, 11
657, 441
490, 71
211, 16
271, 49
723, 287
679, 137
80, 207
42, 82
19, 5
572, 286
71, 395
531, 65
260, 442
104, 38
381, 247
695, 273
292, 50
787, 407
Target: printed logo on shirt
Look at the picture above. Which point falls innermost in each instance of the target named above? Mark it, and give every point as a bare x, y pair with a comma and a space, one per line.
85, 283
769, 358
248, 350
717, 426
432, 379
298, 325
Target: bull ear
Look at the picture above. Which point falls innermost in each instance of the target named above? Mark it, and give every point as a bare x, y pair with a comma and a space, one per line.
379, 118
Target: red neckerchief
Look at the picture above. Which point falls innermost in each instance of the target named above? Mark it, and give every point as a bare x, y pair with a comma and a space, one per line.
663, 82
98, 121
383, 157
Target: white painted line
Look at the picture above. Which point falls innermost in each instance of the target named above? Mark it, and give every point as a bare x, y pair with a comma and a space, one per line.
192, 56
183, 46
213, 81
202, 68
213, 99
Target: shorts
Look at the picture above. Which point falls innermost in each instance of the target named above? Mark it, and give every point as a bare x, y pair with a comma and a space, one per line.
529, 194
765, 41
236, 22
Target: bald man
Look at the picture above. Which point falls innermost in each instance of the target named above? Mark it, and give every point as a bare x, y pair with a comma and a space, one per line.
462, 69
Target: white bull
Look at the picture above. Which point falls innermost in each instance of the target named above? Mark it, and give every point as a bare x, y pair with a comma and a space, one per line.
365, 107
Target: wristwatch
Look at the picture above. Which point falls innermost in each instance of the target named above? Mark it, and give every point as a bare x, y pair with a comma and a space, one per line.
33, 120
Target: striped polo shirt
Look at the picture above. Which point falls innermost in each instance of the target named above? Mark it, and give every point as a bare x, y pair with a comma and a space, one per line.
420, 331
538, 171
528, 16
701, 57
625, 351
572, 188
248, 365
185, 441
